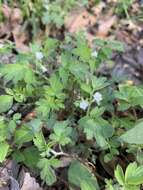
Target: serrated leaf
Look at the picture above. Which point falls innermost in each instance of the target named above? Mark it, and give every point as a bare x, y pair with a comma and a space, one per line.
35, 125
17, 72
6, 102
79, 70
99, 83
39, 141
100, 130
4, 147
61, 133
47, 172
97, 112
3, 131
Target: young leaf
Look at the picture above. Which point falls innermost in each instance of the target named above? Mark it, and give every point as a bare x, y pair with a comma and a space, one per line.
39, 141
61, 133
119, 174
4, 147
134, 174
17, 72
129, 174
6, 102
47, 172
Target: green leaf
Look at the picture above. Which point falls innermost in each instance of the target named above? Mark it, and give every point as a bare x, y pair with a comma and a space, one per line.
97, 112
4, 147
3, 130
99, 83
6, 102
129, 96
23, 134
79, 70
47, 172
129, 171
80, 176
18, 156
61, 133
139, 156
35, 125
39, 141
134, 135
31, 157
134, 174
86, 88
17, 72
87, 186
100, 130
119, 174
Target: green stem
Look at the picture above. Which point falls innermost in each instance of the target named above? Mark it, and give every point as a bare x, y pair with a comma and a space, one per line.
90, 102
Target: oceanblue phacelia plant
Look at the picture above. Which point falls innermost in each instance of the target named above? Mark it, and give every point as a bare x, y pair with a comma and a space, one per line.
78, 116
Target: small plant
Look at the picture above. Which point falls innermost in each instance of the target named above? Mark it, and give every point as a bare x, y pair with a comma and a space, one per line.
123, 7
131, 180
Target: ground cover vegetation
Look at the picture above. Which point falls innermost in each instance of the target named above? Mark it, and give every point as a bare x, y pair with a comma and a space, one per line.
62, 119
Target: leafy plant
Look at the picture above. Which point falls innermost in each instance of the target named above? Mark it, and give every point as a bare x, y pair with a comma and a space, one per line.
133, 177
123, 7
60, 118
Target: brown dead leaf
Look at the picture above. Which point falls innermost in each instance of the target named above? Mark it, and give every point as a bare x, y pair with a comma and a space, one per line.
20, 38
79, 20
16, 17
105, 26
126, 37
90, 37
5, 30
30, 183
6, 11
12, 27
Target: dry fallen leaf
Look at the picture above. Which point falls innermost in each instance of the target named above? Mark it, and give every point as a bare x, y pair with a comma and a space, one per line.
16, 17
20, 38
105, 26
79, 20
6, 11
13, 27
30, 183
5, 30
90, 37
98, 8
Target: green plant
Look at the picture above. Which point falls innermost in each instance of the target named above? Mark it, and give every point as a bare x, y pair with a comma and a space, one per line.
133, 177
74, 113
123, 7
